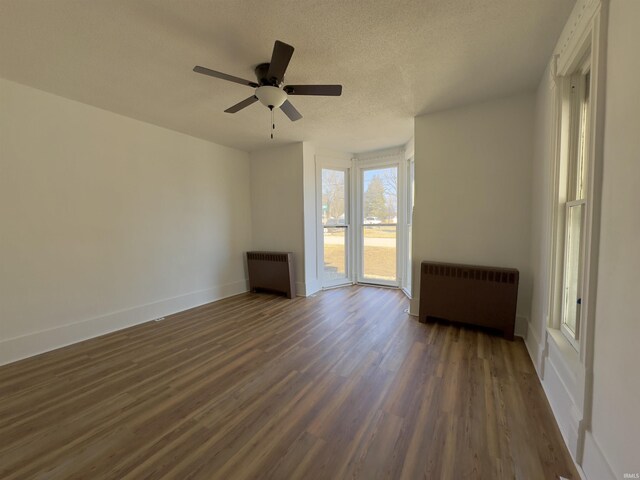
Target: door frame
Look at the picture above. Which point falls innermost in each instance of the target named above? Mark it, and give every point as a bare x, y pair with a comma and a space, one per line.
353, 197
323, 162
388, 158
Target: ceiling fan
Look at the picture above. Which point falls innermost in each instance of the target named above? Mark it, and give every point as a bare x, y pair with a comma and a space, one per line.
269, 89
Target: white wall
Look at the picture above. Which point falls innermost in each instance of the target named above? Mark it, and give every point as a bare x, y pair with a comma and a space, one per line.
540, 208
107, 221
277, 204
311, 270
616, 390
284, 206
473, 190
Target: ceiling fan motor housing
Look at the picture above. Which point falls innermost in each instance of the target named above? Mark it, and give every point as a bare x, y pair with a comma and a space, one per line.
262, 74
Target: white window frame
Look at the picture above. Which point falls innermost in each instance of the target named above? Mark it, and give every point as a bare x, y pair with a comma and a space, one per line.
567, 127
410, 190
572, 337
362, 168
566, 369
571, 123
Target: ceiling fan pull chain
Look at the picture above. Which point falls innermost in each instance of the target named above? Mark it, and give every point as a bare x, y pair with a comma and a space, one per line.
273, 125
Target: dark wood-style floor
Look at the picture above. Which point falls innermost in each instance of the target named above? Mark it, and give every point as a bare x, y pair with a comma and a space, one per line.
340, 385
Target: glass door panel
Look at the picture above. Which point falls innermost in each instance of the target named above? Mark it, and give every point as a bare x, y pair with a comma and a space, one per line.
379, 253
379, 227
335, 228
335, 254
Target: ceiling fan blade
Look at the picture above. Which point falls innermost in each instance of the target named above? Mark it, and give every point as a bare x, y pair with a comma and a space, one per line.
244, 103
326, 90
290, 111
279, 60
224, 76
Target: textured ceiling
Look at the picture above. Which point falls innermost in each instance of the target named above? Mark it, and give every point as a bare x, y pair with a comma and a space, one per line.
395, 59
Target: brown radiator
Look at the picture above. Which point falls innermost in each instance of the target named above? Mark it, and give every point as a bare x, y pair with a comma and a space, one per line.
272, 272
484, 296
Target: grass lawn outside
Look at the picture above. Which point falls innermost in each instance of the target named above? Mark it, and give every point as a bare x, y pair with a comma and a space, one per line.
379, 261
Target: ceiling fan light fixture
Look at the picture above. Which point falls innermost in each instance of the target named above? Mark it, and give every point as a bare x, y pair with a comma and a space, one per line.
271, 96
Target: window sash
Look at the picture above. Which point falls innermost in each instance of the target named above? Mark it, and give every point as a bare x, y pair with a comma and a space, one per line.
572, 281
578, 115
575, 204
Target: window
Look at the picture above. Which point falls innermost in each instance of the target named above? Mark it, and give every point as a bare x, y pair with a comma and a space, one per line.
379, 187
576, 119
576, 73
335, 226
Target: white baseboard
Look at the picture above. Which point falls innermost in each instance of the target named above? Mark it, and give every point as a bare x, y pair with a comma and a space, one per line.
521, 327
414, 307
311, 289
536, 349
306, 289
594, 464
17, 348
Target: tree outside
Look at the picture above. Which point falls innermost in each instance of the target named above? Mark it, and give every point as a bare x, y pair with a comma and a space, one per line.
332, 196
380, 199
375, 202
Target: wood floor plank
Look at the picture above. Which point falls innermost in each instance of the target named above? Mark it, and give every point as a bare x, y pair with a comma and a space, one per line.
343, 384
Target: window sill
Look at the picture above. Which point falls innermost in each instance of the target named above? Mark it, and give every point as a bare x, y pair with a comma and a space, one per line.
567, 353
